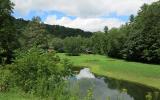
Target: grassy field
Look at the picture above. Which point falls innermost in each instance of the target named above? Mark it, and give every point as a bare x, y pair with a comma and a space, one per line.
146, 74
17, 94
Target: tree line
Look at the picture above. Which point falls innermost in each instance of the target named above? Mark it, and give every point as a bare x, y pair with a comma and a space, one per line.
137, 40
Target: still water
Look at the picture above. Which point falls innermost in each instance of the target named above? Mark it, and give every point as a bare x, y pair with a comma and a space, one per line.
104, 88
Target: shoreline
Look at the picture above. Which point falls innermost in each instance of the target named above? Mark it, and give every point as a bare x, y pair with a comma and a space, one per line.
129, 81
135, 72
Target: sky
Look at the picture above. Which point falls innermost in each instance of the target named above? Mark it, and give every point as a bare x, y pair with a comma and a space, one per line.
88, 15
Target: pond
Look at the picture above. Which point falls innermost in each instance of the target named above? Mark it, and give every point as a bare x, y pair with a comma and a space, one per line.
103, 88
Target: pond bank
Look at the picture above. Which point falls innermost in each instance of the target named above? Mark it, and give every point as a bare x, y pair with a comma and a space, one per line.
139, 73
78, 68
103, 87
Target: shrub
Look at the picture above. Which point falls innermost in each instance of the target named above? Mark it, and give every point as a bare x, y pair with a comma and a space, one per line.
38, 71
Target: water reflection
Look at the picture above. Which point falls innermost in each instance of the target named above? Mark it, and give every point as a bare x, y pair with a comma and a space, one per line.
85, 73
104, 88
137, 91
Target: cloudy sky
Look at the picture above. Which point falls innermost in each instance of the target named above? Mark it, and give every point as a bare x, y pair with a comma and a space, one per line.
89, 15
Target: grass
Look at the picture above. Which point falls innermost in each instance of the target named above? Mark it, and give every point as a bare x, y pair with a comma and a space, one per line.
146, 74
17, 94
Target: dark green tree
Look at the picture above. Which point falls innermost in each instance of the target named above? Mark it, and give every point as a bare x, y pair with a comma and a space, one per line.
35, 34
115, 40
131, 19
72, 45
57, 44
106, 29
99, 43
8, 34
143, 43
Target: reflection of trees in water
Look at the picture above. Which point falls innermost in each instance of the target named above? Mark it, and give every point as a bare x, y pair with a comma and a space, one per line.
135, 90
99, 89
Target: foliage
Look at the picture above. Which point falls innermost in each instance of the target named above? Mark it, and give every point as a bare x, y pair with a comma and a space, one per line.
72, 45
99, 43
115, 42
35, 35
8, 35
57, 44
38, 71
144, 38
106, 29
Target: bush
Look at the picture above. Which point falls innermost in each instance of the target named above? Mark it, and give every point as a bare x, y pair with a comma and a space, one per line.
39, 72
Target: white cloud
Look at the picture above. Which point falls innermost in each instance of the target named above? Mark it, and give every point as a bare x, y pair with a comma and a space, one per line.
82, 8
87, 24
88, 12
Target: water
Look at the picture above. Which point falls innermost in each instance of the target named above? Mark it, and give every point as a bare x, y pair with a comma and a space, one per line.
103, 88
85, 73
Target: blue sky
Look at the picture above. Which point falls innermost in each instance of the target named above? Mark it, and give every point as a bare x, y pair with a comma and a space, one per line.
43, 15
89, 15
59, 15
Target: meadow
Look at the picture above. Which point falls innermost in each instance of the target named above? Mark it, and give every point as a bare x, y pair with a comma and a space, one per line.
146, 74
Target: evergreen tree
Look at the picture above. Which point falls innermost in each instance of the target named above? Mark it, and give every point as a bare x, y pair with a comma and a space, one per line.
8, 34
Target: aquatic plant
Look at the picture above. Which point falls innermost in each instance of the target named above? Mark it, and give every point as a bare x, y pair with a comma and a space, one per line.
149, 96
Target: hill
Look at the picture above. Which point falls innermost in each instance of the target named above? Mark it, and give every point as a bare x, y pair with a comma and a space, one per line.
56, 30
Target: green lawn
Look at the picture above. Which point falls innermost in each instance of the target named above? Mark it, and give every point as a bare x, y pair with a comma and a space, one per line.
147, 74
